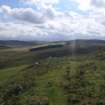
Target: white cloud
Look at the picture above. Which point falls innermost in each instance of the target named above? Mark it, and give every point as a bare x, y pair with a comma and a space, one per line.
98, 3
29, 14
49, 23
85, 5
63, 26
40, 4
20, 31
41, 1
24, 14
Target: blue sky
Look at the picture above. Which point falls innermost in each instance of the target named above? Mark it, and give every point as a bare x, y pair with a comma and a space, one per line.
13, 3
48, 20
63, 5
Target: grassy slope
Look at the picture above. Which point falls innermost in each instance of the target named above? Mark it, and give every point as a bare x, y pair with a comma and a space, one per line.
54, 74
6, 73
55, 92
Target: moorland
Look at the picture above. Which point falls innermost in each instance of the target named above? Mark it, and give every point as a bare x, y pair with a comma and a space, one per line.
52, 73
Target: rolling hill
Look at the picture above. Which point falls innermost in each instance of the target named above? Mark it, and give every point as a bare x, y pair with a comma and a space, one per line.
72, 73
17, 43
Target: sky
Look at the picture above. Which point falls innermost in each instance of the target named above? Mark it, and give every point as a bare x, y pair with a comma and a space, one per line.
52, 19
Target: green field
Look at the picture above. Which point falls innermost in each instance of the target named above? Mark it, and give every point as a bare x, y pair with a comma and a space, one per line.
53, 76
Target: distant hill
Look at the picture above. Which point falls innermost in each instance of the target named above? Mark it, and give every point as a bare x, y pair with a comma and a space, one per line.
4, 47
86, 42
83, 42
16, 43
69, 47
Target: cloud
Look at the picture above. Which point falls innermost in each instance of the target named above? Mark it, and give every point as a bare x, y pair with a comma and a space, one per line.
83, 4
98, 3
89, 4
64, 26
36, 2
18, 31
29, 14
46, 22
